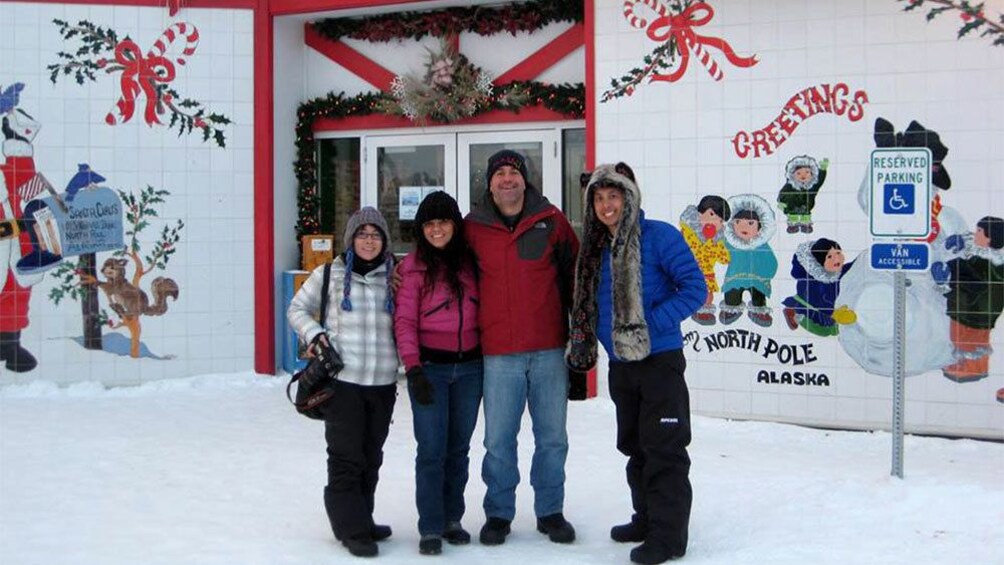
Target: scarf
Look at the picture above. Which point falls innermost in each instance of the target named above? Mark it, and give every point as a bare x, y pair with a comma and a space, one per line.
630, 330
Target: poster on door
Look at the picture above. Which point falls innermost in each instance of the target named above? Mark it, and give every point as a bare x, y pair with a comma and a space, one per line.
409, 197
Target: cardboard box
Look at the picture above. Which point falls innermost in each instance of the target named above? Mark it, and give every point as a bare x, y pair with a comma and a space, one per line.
317, 250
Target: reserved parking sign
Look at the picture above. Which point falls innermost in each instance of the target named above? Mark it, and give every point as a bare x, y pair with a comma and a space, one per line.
900, 192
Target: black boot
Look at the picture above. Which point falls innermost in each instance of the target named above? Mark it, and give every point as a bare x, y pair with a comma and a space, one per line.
557, 528
634, 531
361, 546
430, 545
495, 531
455, 534
18, 358
650, 553
380, 532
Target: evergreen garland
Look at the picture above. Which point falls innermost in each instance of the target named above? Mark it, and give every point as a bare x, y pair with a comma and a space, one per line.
482, 20
566, 99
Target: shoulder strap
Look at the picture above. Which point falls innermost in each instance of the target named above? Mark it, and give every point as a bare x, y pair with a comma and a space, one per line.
324, 295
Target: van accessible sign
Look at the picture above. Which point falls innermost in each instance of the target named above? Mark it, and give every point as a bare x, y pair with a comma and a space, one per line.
900, 192
900, 256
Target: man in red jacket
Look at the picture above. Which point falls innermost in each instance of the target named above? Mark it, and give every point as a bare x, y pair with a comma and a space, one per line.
526, 251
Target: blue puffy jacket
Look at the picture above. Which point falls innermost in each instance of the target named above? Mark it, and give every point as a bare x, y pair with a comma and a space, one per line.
673, 287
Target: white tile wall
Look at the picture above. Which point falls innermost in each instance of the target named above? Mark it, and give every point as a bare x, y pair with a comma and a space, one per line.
911, 69
133, 155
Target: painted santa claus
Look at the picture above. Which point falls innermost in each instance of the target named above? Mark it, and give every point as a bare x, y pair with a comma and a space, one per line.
17, 163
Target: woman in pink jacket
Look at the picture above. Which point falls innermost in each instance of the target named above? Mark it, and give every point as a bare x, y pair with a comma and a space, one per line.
436, 325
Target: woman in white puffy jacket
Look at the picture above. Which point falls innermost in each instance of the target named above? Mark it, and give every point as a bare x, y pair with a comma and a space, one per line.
359, 327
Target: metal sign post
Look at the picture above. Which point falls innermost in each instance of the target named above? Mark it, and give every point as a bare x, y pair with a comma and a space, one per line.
903, 258
900, 209
898, 370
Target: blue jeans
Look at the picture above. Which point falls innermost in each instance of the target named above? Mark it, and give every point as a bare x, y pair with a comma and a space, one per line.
443, 431
539, 380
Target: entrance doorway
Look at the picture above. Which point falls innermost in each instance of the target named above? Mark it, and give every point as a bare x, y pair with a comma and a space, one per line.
400, 170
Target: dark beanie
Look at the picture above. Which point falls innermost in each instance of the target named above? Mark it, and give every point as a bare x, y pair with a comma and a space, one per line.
993, 228
438, 205
503, 158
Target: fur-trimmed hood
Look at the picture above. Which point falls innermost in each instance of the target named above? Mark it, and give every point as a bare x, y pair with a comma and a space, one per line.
606, 176
799, 162
768, 223
631, 340
995, 256
803, 255
692, 219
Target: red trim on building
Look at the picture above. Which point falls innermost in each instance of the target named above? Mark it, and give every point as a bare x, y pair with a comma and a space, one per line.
590, 42
545, 57
229, 4
352, 60
287, 7
380, 121
264, 205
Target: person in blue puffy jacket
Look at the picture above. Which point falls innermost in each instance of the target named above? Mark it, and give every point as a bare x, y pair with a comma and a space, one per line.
636, 280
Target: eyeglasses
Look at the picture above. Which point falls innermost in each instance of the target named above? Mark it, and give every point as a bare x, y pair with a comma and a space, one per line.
375, 236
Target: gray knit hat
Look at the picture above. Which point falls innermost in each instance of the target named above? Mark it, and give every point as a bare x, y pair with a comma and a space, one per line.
367, 215
371, 216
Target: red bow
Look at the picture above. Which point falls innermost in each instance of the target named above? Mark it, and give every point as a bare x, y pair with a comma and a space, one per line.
138, 77
681, 27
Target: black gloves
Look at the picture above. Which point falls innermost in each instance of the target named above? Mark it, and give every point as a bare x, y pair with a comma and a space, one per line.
421, 388
577, 389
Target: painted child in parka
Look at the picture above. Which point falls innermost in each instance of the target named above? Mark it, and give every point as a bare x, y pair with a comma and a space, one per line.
804, 178
817, 267
752, 262
702, 227
975, 282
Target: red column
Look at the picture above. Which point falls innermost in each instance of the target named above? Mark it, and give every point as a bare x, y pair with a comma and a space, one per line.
264, 235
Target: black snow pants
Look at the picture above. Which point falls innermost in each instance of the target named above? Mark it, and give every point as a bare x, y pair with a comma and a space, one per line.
653, 430
357, 421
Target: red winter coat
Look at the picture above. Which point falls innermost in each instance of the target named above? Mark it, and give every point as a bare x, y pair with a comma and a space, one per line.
525, 275
433, 320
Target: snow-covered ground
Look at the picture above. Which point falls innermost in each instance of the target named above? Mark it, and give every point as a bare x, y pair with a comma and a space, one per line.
219, 469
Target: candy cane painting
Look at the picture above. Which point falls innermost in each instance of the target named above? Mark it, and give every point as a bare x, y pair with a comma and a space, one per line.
144, 79
140, 74
673, 29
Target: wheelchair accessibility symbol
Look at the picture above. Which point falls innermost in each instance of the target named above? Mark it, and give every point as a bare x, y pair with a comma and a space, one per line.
898, 199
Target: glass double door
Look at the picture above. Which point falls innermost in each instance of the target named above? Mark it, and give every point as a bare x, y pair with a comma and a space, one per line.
400, 170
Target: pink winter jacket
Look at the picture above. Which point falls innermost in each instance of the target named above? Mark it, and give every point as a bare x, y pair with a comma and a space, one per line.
433, 320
